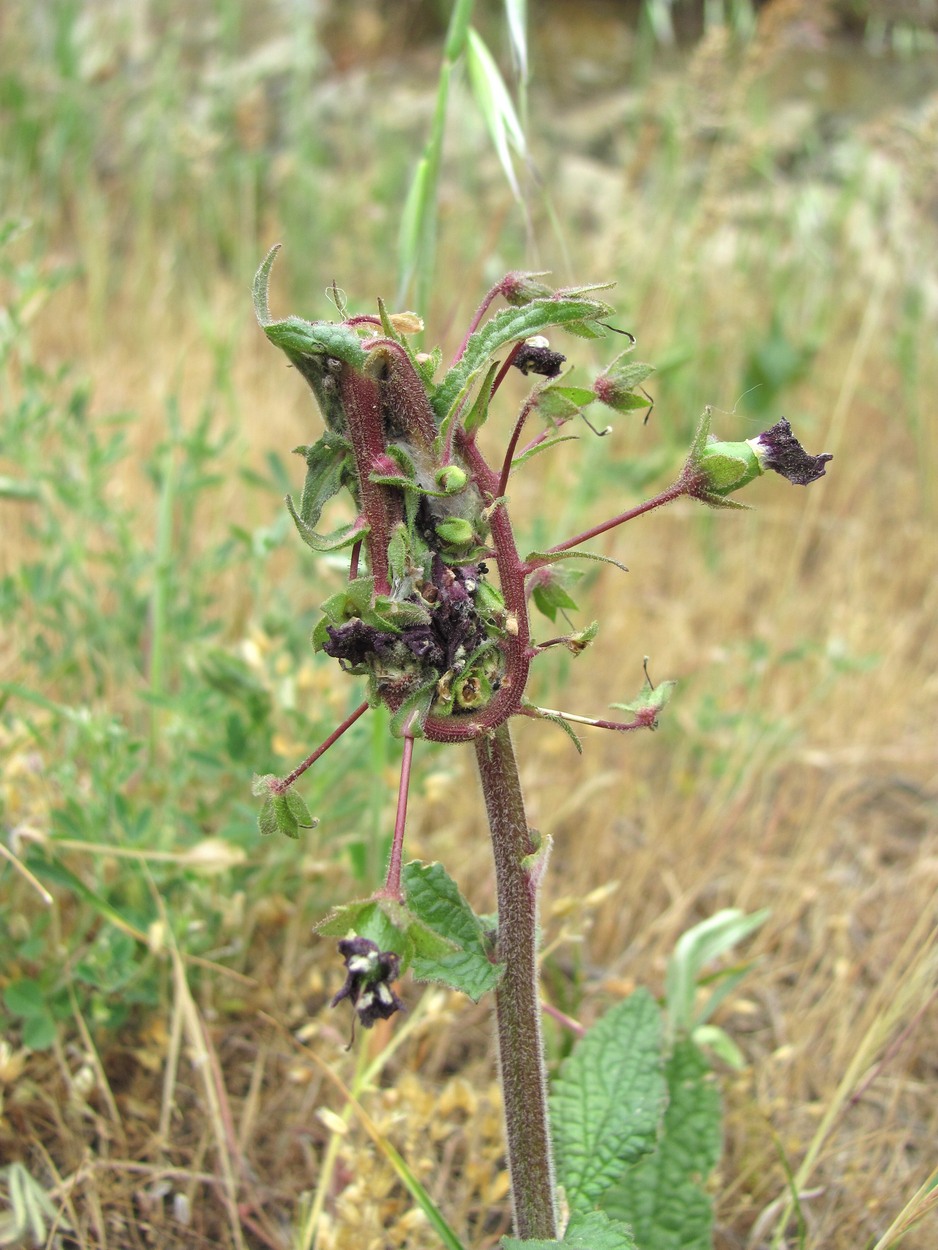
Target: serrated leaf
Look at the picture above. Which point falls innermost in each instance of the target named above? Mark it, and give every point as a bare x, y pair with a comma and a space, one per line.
434, 896
507, 326
391, 925
606, 1104
541, 558
660, 1197
592, 1230
369, 918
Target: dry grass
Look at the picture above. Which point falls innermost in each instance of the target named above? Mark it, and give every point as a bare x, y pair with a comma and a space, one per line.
798, 770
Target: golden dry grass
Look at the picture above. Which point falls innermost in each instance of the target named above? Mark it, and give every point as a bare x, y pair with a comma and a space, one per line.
796, 770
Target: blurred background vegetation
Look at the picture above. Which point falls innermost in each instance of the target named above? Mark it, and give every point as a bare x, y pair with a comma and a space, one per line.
762, 183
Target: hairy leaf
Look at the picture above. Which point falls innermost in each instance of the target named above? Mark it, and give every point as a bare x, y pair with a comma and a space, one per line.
434, 896
328, 469
661, 1197
593, 1230
541, 558
508, 326
607, 1102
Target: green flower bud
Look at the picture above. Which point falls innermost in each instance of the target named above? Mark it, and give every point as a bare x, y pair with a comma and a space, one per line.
729, 466
452, 479
455, 530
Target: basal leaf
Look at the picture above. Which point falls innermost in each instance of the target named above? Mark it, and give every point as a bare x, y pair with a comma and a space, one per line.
661, 1197
607, 1102
435, 898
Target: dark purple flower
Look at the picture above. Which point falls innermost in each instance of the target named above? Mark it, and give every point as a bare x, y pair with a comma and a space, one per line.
536, 357
778, 449
368, 983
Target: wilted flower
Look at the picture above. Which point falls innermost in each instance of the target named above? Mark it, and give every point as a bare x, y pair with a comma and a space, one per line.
368, 983
717, 469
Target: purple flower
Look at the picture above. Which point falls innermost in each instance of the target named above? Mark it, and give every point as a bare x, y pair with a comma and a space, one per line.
368, 983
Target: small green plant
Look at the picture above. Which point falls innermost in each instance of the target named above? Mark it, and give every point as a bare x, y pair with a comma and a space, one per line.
447, 649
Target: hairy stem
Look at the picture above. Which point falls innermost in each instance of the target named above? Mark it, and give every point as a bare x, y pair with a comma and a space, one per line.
683, 486
518, 1014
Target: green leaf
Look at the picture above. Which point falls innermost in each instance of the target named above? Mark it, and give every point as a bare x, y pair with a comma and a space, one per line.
409, 718
536, 450
593, 1230
559, 721
345, 536
455, 530
580, 396
607, 1102
25, 998
508, 326
285, 813
629, 402
556, 407
550, 598
541, 558
478, 413
650, 699
328, 469
39, 1032
695, 949
434, 897
391, 925
661, 1197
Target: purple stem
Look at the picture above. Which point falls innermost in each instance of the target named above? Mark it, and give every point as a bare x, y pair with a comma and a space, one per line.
284, 783
392, 885
523, 415
683, 486
517, 1006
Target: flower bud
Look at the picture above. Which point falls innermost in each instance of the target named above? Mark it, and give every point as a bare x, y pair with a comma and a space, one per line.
616, 385
452, 479
455, 530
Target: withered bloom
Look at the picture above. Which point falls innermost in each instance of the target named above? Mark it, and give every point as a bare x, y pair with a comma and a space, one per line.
368, 983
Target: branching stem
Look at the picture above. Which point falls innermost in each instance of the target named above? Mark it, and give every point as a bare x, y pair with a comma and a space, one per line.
682, 486
286, 782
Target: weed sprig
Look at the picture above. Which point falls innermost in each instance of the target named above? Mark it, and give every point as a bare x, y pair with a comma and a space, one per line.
449, 652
